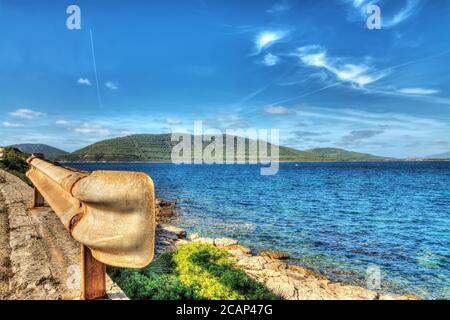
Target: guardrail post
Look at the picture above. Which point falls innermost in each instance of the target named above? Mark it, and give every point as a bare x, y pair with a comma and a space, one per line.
38, 199
93, 276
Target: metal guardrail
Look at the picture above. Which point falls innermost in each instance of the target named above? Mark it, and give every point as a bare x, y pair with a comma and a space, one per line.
111, 213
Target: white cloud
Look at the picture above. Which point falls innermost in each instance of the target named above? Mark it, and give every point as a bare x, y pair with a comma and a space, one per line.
92, 128
418, 91
270, 60
62, 122
278, 110
358, 74
267, 38
11, 124
84, 82
173, 121
27, 114
279, 7
112, 85
406, 12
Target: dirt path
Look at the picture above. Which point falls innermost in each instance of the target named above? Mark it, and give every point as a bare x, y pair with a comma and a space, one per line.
38, 258
5, 263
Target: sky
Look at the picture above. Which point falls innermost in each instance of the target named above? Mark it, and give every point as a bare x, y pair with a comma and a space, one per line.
312, 69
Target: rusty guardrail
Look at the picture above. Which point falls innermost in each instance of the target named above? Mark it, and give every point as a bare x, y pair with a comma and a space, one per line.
111, 213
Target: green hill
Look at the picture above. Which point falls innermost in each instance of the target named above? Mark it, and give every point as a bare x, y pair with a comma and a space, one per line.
334, 154
158, 148
49, 152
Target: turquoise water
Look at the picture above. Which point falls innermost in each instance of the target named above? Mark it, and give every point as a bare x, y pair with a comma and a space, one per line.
337, 218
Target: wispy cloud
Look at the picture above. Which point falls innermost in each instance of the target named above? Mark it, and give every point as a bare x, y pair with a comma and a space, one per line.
278, 110
84, 82
62, 122
112, 85
279, 7
27, 114
266, 39
173, 121
92, 128
270, 60
406, 12
7, 124
418, 91
359, 135
360, 74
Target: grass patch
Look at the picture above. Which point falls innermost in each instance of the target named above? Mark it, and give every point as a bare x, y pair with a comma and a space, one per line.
195, 271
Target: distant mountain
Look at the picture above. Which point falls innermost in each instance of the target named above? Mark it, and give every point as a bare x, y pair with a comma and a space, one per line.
445, 155
334, 154
158, 148
49, 152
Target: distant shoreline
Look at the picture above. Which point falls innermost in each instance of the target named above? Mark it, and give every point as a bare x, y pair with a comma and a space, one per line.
165, 162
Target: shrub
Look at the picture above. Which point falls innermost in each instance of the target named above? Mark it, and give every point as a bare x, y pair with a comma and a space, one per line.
211, 273
15, 163
194, 271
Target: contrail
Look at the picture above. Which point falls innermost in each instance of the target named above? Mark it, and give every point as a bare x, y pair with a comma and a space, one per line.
99, 98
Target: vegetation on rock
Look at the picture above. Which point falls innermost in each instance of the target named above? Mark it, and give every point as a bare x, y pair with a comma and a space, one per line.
195, 271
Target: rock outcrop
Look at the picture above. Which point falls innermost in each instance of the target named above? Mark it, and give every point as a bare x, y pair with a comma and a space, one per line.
288, 281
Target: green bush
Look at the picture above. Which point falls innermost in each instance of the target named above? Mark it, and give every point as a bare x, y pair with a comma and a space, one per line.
211, 273
194, 271
15, 163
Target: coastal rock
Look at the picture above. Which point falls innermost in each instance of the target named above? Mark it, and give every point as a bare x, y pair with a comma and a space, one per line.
394, 297
181, 242
303, 272
223, 242
179, 232
346, 292
276, 266
254, 263
239, 247
283, 287
204, 240
237, 254
194, 236
275, 255
164, 210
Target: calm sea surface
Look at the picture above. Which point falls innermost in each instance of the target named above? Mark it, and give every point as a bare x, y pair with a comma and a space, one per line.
337, 218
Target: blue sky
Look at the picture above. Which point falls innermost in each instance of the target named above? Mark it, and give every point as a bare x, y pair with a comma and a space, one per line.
310, 68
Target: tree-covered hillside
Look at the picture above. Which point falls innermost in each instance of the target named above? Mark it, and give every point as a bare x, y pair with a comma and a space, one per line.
158, 148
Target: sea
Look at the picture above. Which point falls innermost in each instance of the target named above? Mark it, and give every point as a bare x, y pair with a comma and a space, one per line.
384, 225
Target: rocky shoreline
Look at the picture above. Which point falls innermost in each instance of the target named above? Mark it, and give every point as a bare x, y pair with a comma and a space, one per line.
288, 281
